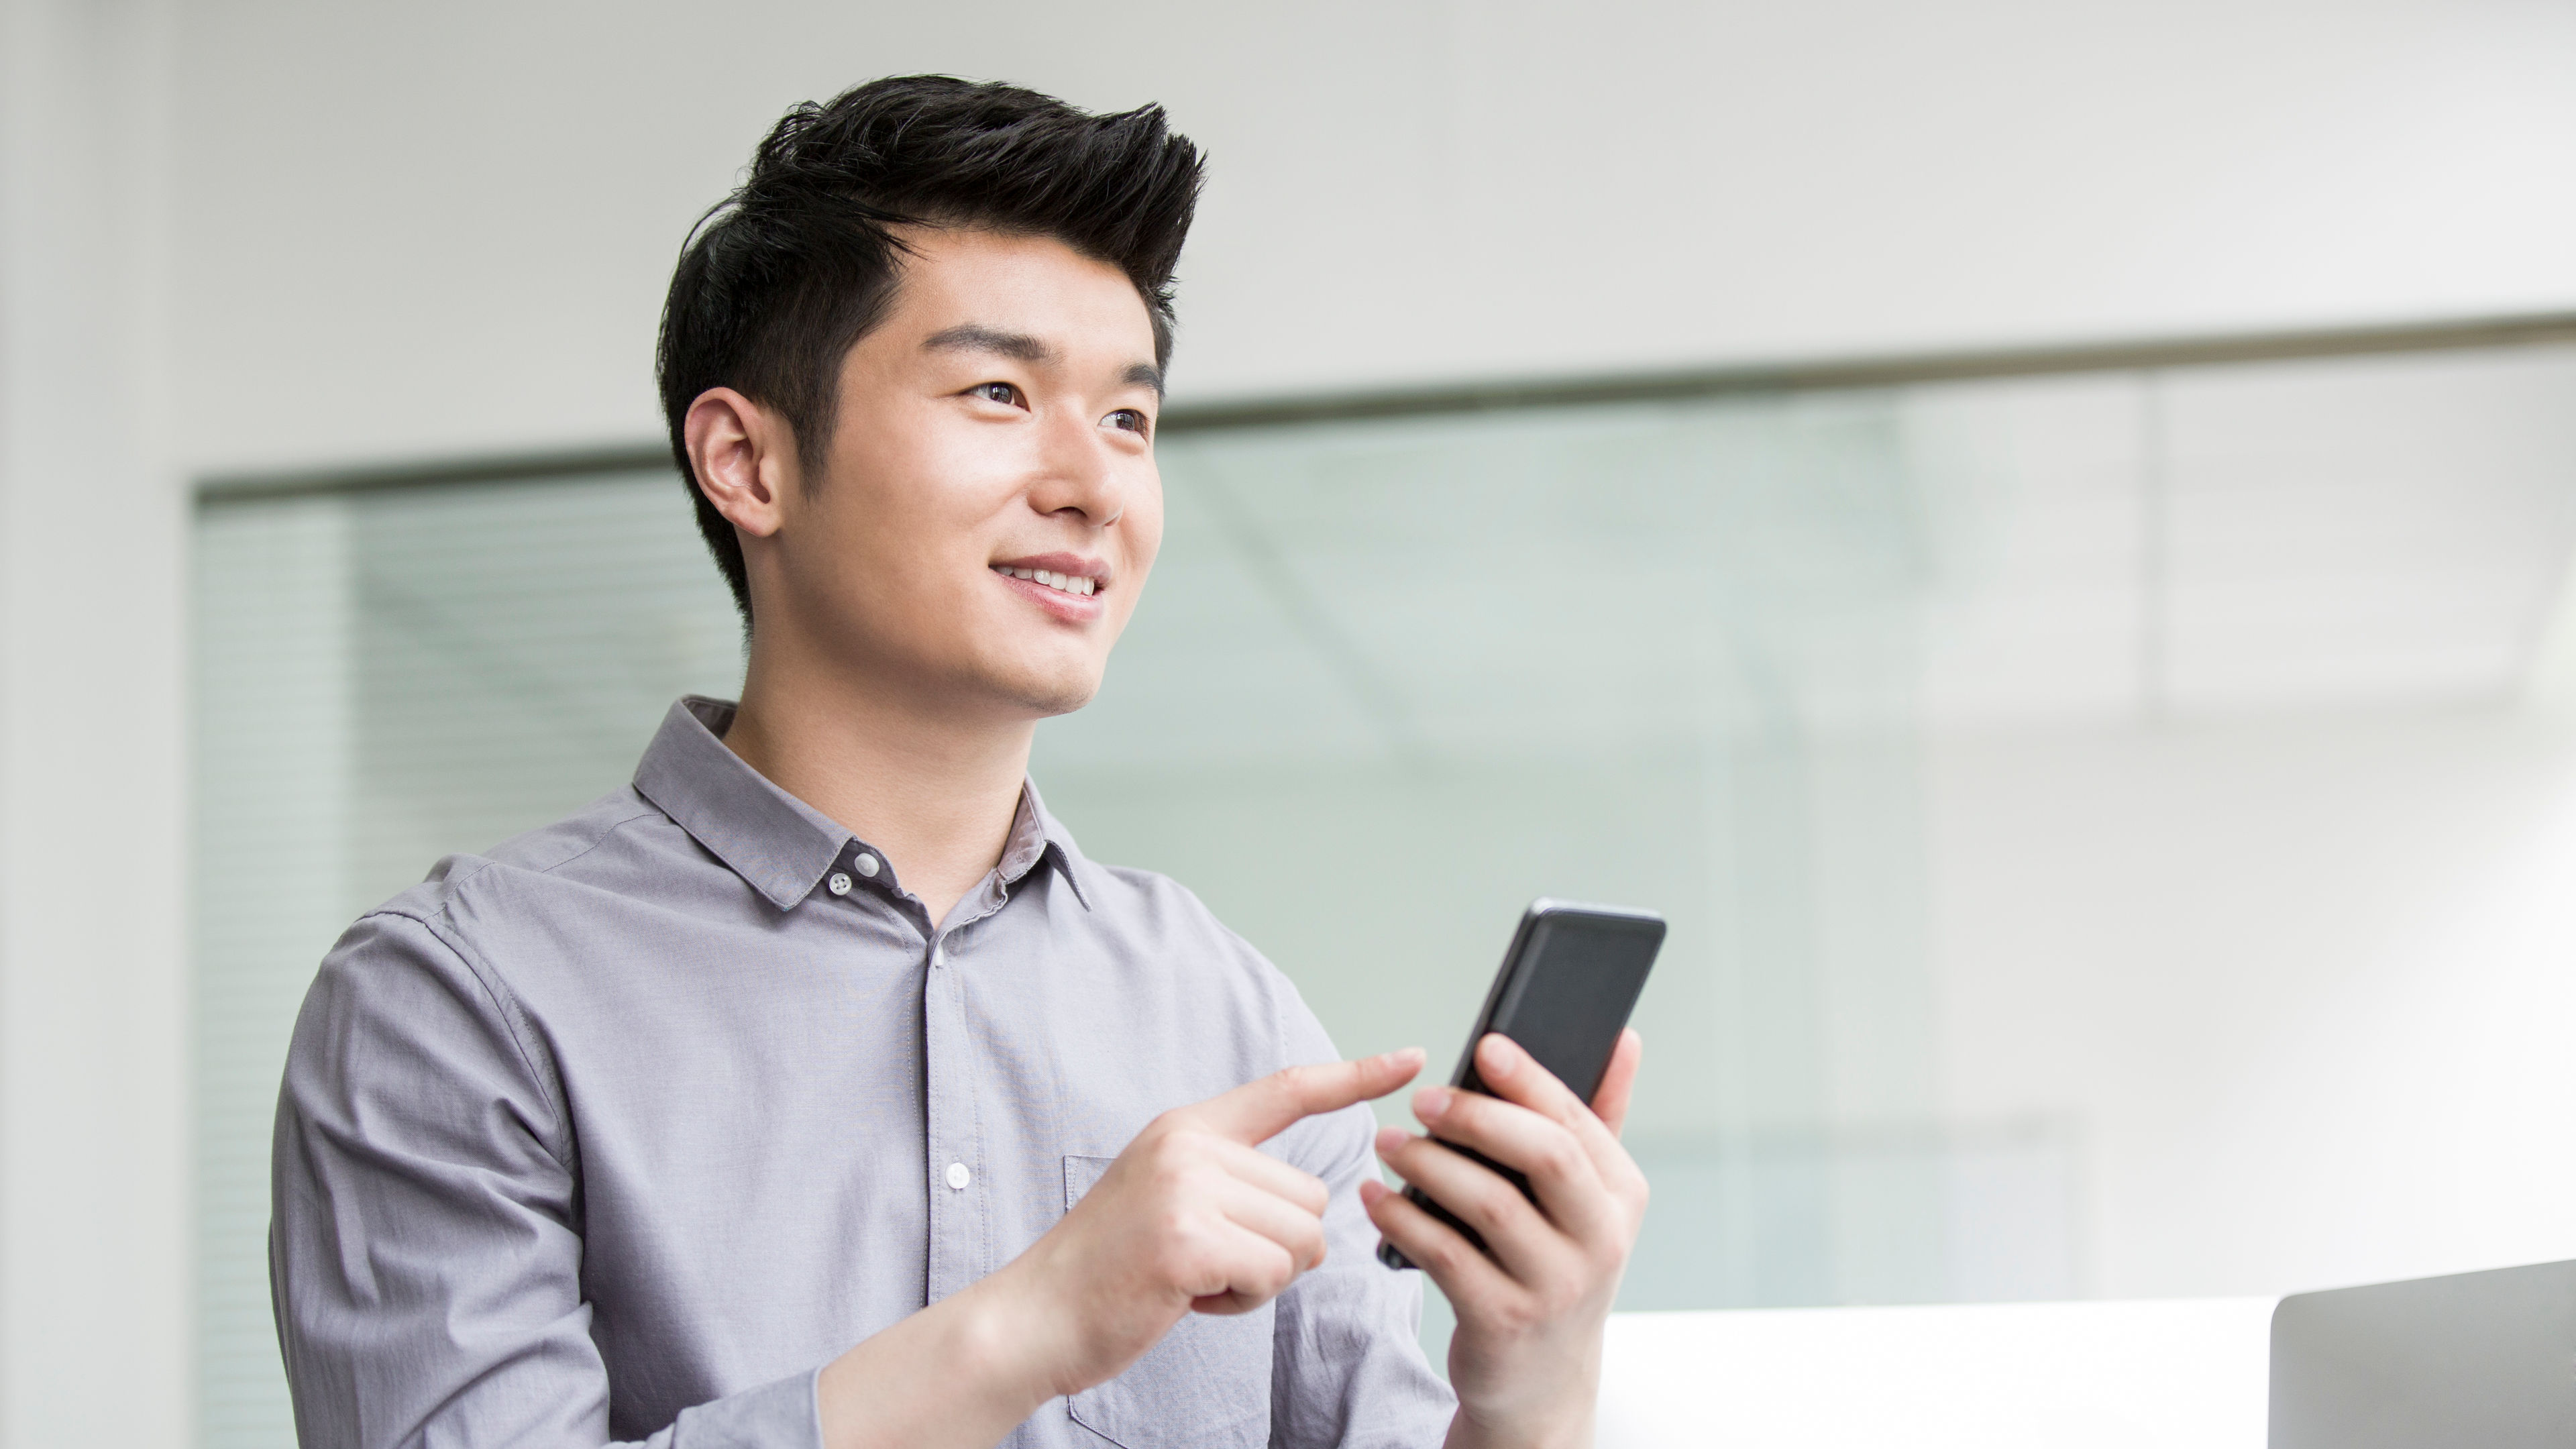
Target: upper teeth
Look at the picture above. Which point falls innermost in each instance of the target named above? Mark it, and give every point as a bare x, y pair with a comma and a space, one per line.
1069, 583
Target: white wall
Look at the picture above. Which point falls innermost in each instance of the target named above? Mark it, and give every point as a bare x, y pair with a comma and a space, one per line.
2307, 985
439, 229
93, 880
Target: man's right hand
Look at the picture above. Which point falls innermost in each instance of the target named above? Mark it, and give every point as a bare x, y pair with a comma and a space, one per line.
1192, 1217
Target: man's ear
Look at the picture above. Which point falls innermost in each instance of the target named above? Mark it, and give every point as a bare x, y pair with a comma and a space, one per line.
743, 455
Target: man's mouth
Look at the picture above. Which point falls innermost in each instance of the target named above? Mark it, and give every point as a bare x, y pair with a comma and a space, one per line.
1077, 584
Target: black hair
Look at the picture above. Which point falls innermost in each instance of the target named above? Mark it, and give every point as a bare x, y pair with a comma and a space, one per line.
782, 278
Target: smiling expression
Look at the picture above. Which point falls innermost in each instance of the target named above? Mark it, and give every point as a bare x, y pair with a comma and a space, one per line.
990, 507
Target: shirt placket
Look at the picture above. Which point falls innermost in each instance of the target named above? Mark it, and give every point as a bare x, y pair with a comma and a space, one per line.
957, 1187
960, 1193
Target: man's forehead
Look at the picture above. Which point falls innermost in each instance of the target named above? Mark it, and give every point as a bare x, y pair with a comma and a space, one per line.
965, 286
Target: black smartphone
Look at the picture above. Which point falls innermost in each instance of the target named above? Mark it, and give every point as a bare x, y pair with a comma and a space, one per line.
1564, 993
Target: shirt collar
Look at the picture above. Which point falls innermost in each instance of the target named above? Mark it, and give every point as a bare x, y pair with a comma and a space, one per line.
1056, 843
779, 844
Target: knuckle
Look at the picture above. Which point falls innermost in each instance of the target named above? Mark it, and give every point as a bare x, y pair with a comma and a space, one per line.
1194, 1260
1446, 1254
1577, 1275
1561, 1156
1184, 1222
1178, 1151
1267, 1275
1313, 1193
1495, 1198
1309, 1246
1517, 1314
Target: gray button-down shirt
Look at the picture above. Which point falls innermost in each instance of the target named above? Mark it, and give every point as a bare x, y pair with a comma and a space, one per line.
625, 1129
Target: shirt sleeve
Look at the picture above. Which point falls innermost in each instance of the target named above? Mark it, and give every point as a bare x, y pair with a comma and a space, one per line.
424, 1248
1347, 1366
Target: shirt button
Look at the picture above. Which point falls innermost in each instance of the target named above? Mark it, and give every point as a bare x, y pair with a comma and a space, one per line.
958, 1176
867, 865
838, 885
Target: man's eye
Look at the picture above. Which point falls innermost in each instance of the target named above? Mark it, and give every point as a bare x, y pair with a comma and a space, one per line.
1129, 419
1004, 393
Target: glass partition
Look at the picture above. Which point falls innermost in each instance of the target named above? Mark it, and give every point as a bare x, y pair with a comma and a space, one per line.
1804, 671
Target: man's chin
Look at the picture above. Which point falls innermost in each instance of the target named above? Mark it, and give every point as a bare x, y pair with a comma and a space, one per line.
1047, 698
995, 692
1050, 705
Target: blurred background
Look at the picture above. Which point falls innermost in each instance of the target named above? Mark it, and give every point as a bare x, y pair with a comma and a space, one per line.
2037, 535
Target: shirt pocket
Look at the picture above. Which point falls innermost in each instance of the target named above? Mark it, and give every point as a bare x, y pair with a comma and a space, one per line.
1206, 1383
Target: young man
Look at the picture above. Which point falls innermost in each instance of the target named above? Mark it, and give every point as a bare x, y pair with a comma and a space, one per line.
816, 1089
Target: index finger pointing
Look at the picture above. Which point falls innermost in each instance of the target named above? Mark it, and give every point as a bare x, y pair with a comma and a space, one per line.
1262, 1109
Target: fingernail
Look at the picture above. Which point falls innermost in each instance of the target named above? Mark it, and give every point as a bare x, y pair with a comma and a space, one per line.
1499, 1057
1391, 1138
1430, 1102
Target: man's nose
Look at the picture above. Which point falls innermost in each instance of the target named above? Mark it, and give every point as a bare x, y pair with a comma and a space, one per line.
1077, 470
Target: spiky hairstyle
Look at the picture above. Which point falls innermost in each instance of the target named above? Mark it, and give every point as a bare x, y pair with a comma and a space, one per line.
782, 278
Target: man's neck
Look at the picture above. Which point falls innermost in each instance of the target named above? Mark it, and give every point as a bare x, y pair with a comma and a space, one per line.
936, 793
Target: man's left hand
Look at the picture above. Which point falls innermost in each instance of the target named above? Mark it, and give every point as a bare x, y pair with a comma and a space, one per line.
1526, 1359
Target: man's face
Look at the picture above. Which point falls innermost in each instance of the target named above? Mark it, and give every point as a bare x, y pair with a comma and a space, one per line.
990, 506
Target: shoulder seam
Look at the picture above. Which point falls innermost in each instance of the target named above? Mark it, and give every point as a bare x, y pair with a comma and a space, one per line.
647, 810
598, 838
443, 928
483, 863
513, 1020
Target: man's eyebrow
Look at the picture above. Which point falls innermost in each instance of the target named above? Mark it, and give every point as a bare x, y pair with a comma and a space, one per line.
1020, 346
976, 337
